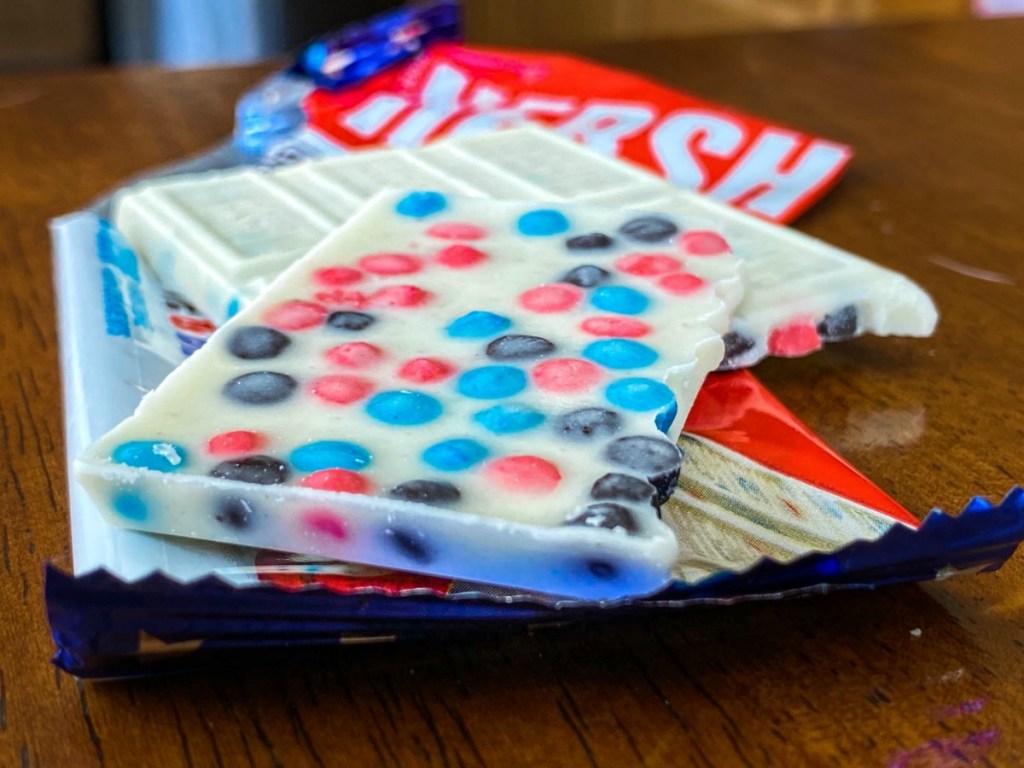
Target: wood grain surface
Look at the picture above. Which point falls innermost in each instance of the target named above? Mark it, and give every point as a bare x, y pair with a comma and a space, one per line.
936, 114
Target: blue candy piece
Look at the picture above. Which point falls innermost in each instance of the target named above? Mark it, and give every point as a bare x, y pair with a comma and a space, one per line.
130, 506
403, 407
330, 454
418, 205
638, 394
620, 300
478, 325
542, 222
506, 419
666, 416
620, 354
158, 455
492, 382
454, 455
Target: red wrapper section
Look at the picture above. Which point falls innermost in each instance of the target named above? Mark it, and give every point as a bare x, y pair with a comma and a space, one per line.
767, 170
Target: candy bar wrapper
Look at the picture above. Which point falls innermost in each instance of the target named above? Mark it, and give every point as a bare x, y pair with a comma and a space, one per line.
763, 509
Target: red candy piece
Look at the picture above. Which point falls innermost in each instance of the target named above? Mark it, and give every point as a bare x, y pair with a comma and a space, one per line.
457, 230
355, 354
340, 389
235, 443
425, 370
342, 298
335, 276
322, 521
460, 256
399, 296
703, 243
295, 315
681, 283
391, 264
198, 326
524, 474
648, 264
795, 339
558, 297
610, 325
338, 480
566, 375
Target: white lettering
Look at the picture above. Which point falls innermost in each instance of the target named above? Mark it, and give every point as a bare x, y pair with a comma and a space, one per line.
769, 189
374, 114
684, 134
602, 126
440, 100
516, 114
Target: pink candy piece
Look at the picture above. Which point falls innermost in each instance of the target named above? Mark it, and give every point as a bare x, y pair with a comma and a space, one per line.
703, 243
399, 296
792, 340
524, 474
566, 375
338, 480
355, 354
460, 256
235, 443
648, 264
681, 283
425, 370
340, 389
457, 230
295, 315
391, 264
544, 299
333, 277
324, 522
610, 325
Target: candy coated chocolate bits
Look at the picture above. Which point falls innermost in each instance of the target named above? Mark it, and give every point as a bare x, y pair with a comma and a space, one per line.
373, 406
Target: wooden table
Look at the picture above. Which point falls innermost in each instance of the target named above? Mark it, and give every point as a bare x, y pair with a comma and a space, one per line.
936, 114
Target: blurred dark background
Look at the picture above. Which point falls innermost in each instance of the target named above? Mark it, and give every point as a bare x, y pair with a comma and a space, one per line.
49, 34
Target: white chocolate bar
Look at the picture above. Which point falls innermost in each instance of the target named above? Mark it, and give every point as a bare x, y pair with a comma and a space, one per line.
219, 238
478, 389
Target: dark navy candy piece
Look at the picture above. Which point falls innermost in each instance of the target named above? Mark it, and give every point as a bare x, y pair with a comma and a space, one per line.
348, 320
608, 515
602, 569
234, 512
260, 388
736, 344
426, 492
585, 276
259, 469
839, 325
257, 342
588, 423
657, 459
649, 229
412, 544
589, 242
519, 347
617, 486
644, 454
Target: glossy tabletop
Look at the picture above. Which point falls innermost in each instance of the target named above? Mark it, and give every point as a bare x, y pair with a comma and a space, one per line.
901, 677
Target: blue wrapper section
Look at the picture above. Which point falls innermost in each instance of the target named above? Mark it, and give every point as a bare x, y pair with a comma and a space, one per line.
104, 627
273, 110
